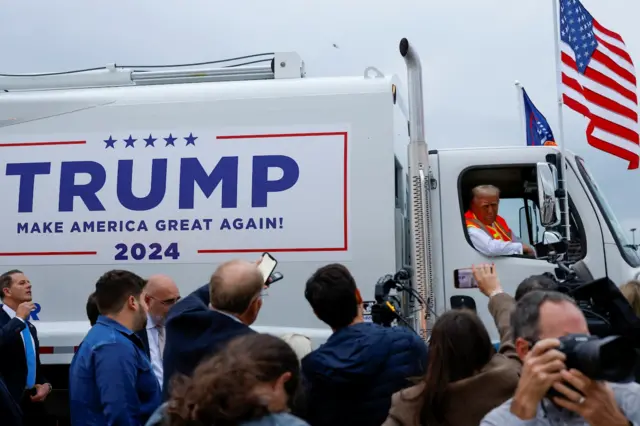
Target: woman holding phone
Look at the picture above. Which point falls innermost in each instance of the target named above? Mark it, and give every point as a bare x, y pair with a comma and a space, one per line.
466, 377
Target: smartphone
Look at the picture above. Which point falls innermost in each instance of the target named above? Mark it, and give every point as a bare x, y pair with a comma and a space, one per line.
267, 266
463, 278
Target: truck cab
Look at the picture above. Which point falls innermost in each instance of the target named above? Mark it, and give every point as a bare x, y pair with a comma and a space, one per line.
548, 199
596, 237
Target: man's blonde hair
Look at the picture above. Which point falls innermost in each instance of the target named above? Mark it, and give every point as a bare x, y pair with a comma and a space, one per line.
480, 190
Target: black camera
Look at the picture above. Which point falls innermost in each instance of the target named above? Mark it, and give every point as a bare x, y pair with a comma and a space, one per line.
387, 308
384, 314
611, 359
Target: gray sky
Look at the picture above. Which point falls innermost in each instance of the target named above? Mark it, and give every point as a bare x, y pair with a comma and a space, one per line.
472, 51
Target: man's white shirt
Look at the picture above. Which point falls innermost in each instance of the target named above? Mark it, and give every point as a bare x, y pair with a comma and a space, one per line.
154, 350
488, 246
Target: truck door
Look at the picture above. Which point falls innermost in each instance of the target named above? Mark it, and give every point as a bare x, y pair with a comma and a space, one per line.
460, 171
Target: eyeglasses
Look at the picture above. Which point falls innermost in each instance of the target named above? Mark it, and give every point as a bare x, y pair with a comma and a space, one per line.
166, 302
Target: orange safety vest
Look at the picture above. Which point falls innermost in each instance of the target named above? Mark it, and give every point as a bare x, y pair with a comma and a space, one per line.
499, 230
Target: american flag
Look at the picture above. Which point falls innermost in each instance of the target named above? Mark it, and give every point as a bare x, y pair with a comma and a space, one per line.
598, 80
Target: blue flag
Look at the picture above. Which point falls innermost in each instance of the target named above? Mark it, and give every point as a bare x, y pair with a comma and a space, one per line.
538, 129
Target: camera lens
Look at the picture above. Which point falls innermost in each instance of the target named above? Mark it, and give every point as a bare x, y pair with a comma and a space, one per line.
611, 359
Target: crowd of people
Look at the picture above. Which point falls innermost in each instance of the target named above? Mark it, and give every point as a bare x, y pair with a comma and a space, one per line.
154, 358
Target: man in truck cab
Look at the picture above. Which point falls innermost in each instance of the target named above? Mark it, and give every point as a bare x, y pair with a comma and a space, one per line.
488, 231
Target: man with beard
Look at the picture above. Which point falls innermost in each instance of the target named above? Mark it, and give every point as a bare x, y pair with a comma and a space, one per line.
111, 381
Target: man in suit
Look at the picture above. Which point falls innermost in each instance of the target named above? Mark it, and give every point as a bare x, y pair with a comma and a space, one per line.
160, 294
19, 347
10, 411
199, 325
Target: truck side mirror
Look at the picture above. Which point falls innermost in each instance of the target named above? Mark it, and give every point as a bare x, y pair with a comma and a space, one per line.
553, 240
547, 176
550, 238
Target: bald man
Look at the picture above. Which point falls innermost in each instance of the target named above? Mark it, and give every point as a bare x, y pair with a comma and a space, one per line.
211, 316
489, 232
160, 294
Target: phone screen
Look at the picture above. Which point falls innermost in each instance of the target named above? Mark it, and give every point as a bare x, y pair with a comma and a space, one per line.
267, 266
463, 278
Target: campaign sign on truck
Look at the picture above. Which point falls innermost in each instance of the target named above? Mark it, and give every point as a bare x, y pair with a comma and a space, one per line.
171, 195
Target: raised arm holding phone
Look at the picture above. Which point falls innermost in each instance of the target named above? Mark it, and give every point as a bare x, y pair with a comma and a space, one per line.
225, 308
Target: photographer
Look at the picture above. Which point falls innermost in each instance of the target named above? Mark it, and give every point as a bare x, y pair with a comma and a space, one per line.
548, 393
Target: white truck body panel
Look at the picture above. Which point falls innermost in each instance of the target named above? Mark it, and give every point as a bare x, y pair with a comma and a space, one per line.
313, 209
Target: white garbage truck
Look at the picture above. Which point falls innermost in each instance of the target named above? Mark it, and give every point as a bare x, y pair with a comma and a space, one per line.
175, 170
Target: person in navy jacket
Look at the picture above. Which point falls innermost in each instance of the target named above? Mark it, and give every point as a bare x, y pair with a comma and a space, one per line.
92, 309
203, 322
350, 379
110, 378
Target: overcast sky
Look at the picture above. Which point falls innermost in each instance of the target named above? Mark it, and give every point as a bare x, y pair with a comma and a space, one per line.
472, 52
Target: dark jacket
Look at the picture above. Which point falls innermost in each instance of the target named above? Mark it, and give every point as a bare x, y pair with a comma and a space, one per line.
194, 332
470, 399
350, 379
10, 411
13, 362
111, 381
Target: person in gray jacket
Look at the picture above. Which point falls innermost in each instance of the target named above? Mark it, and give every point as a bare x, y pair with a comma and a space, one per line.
251, 382
540, 318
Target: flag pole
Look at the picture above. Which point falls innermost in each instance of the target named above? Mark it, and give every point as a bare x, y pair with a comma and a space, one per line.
523, 119
562, 179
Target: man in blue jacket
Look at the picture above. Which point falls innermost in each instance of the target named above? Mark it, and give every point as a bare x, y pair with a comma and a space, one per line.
203, 322
350, 379
110, 378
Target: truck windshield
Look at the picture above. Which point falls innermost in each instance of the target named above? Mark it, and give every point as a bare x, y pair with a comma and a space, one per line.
628, 252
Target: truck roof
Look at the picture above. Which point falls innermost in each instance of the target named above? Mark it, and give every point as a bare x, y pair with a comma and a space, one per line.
20, 107
283, 77
61, 94
221, 90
